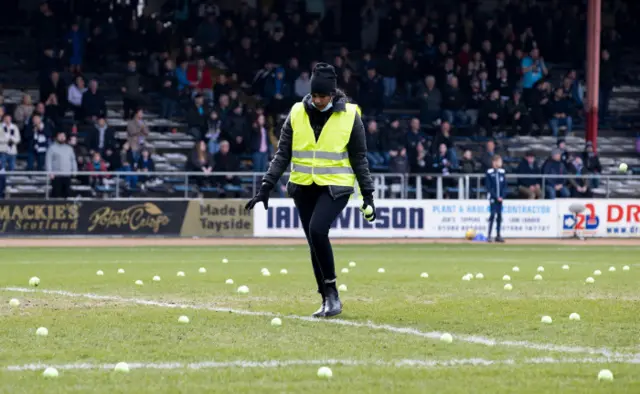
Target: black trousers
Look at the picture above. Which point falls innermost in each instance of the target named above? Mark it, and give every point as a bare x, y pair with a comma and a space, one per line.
495, 214
61, 187
317, 211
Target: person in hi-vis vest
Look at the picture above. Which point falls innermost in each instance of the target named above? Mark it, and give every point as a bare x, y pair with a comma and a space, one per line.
323, 139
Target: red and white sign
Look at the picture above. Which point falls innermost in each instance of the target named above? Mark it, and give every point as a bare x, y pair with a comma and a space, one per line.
601, 218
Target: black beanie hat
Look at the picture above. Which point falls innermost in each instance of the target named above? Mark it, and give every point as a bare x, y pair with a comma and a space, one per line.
324, 79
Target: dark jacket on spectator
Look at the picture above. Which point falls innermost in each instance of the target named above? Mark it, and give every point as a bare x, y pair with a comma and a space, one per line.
93, 104
453, 99
374, 142
492, 107
395, 137
513, 108
357, 148
525, 169
469, 166
432, 101
553, 168
131, 83
225, 162
476, 100
148, 164
591, 162
197, 119
109, 139
399, 164
559, 106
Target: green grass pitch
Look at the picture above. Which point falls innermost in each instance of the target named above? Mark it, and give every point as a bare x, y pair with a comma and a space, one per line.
386, 341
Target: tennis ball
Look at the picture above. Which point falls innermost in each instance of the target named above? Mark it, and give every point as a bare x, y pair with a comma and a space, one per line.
121, 367
14, 302
368, 211
229, 281
276, 321
623, 167
183, 320
243, 290
446, 338
324, 372
50, 373
546, 319
42, 332
605, 375
34, 281
574, 316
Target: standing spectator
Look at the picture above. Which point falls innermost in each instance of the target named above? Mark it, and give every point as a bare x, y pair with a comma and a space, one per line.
533, 69
453, 104
399, 163
201, 161
302, 85
277, 92
591, 163
3, 180
388, 70
102, 137
225, 161
560, 113
518, 114
197, 118
372, 93
504, 85
408, 74
38, 134
554, 170
444, 137
415, 136
137, 132
74, 97
491, 117
370, 18
54, 96
208, 35
421, 161
214, 133
131, 90
529, 187
93, 103
430, 101
607, 82
348, 84
168, 91
539, 106
76, 42
487, 156
60, 164
23, 111
9, 140
199, 77
395, 136
475, 101
183, 84
375, 151
222, 86
260, 145
237, 129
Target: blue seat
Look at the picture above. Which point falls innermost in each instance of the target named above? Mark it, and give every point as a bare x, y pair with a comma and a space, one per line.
233, 188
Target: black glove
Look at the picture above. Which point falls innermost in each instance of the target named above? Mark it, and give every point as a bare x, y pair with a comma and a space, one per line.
262, 195
368, 202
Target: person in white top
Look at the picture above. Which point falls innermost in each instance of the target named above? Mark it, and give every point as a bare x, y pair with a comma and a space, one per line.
74, 96
9, 140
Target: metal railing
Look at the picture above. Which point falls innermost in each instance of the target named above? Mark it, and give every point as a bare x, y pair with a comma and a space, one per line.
119, 184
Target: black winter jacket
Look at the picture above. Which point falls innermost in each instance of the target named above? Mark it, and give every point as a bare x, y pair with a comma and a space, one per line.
357, 148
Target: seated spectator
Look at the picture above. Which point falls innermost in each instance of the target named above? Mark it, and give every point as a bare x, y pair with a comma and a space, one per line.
222, 86
9, 141
201, 161
128, 164
102, 137
348, 84
225, 161
38, 136
395, 136
214, 132
197, 118
112, 158
199, 77
399, 164
444, 137
453, 102
555, 184
74, 97
137, 132
184, 86
504, 85
145, 164
475, 101
415, 136
591, 162
468, 165
302, 85
430, 100
54, 96
518, 115
93, 103
96, 164
23, 111
3, 180
491, 117
487, 157
486, 86
560, 111
573, 90
409, 74
277, 92
565, 156
442, 163
579, 186
389, 70
375, 150
371, 97
260, 145
529, 187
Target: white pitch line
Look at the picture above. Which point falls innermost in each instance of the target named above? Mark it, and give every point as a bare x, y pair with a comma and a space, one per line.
475, 339
403, 363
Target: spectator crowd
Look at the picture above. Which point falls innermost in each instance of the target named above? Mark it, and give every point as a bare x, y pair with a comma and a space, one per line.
231, 76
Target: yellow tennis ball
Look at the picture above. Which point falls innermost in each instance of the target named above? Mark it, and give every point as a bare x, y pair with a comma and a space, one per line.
623, 167
368, 211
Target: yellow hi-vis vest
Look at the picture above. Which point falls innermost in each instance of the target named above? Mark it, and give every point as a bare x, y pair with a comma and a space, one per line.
324, 162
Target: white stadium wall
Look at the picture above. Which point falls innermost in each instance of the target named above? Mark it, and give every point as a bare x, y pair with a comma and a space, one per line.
452, 218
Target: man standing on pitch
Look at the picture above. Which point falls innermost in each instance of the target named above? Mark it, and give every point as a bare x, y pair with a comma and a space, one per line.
496, 184
323, 139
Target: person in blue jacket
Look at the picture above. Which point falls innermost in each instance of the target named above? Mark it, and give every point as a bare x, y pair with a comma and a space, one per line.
495, 182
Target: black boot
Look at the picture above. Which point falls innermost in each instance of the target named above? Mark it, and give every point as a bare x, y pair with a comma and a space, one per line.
320, 312
499, 239
332, 304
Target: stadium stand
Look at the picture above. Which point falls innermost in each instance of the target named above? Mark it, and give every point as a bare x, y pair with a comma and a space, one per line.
243, 63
